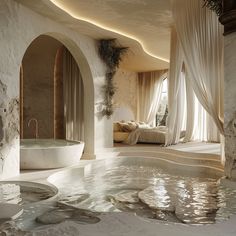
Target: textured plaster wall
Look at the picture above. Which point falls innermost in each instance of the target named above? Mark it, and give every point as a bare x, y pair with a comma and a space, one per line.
125, 98
230, 105
19, 26
38, 86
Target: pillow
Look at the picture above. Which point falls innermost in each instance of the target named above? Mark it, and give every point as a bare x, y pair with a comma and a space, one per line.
116, 127
124, 127
143, 125
132, 125
127, 127
161, 128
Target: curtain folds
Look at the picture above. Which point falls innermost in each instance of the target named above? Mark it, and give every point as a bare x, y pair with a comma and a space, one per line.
200, 125
176, 92
73, 98
149, 94
200, 36
190, 119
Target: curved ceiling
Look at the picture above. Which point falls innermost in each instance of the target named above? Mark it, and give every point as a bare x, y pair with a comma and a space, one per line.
141, 25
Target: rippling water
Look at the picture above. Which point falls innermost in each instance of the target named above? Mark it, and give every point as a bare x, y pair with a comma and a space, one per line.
145, 191
22, 194
152, 193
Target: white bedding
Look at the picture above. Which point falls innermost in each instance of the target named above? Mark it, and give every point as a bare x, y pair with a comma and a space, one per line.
147, 135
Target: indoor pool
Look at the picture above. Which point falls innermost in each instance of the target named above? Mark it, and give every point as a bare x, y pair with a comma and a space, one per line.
149, 192
128, 185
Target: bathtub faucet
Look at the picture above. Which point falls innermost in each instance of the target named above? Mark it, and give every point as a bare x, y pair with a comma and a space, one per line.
36, 126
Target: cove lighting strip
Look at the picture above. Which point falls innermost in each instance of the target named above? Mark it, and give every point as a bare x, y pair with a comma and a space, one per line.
64, 8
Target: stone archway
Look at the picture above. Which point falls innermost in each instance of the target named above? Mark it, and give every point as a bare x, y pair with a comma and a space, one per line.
88, 89
20, 26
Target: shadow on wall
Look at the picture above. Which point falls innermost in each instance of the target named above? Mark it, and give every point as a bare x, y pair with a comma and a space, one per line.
38, 87
123, 113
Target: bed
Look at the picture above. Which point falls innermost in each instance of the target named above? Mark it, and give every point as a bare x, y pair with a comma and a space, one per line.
147, 135
120, 134
137, 132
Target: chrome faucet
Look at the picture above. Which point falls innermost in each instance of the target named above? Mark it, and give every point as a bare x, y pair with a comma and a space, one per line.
36, 127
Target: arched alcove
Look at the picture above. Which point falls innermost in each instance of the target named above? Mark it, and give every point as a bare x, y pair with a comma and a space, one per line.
87, 78
20, 29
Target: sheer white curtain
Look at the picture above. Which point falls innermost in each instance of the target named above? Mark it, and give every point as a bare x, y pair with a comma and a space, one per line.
190, 116
176, 92
73, 98
149, 94
200, 35
200, 125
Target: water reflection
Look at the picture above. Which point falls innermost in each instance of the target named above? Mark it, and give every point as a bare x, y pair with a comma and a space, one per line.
160, 195
20, 193
145, 191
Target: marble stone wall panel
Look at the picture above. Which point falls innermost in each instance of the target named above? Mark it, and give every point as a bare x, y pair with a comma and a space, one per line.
230, 105
9, 134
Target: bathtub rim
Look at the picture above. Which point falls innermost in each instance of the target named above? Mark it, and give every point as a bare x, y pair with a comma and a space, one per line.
42, 158
74, 143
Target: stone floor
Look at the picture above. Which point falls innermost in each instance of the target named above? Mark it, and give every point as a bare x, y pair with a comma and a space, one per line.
195, 147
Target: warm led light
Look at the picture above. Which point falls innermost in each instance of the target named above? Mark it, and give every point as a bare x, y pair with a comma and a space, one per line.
64, 8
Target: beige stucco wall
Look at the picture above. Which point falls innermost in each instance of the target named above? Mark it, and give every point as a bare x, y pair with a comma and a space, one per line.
19, 26
125, 98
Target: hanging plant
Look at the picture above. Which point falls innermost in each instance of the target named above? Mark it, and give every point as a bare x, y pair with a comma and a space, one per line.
215, 5
111, 54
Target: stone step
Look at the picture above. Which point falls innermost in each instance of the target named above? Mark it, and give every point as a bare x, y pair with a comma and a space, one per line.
181, 159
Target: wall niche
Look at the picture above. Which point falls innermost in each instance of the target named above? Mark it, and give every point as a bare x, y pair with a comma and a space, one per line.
48, 93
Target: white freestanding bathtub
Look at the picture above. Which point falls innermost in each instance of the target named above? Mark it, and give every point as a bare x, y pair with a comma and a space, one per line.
49, 153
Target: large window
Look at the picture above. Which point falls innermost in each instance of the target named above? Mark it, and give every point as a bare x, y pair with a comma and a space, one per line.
163, 108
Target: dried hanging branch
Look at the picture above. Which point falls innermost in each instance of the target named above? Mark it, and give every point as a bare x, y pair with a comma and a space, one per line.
215, 5
111, 54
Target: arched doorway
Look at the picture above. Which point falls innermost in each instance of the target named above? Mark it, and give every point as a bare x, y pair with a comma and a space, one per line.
55, 43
